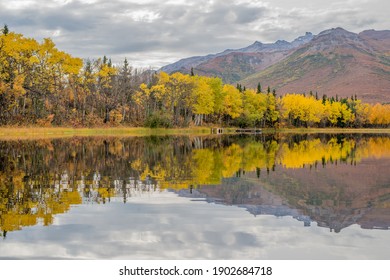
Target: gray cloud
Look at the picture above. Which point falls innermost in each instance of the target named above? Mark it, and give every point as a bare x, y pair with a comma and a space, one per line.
157, 32
149, 227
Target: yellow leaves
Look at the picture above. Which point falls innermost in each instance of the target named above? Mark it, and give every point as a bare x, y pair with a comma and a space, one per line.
379, 114
12, 45
300, 109
163, 78
105, 192
204, 165
232, 160
159, 173
254, 105
136, 164
304, 152
180, 88
191, 95
141, 96
72, 65
217, 93
116, 147
106, 71
290, 106
362, 112
47, 46
305, 109
28, 213
3, 87
232, 102
203, 94
105, 74
158, 90
310, 152
11, 221
315, 110
115, 117
378, 147
143, 87
33, 60
338, 112
332, 111
18, 89
255, 155
27, 66
71, 198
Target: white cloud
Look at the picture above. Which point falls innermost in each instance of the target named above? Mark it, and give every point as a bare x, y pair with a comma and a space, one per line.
160, 31
20, 4
149, 227
143, 15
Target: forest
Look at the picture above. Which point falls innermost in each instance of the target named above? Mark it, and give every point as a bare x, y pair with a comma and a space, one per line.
41, 85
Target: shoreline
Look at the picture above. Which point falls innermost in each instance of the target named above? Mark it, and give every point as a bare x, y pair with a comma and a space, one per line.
63, 132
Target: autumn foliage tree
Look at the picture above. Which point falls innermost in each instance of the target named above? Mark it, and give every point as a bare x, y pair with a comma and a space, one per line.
41, 85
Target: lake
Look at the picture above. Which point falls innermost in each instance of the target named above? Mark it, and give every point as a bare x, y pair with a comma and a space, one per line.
276, 196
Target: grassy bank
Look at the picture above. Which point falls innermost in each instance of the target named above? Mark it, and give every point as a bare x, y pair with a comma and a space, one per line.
60, 132
331, 130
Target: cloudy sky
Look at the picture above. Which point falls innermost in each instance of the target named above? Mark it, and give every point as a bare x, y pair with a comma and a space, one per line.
153, 33
149, 227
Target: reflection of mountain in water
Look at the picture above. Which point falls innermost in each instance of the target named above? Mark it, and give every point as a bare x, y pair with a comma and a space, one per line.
260, 202
310, 196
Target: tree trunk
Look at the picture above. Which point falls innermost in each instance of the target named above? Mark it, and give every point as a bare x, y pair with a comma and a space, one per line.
107, 118
198, 119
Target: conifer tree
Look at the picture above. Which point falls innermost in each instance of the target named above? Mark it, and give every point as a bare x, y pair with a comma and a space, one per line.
5, 30
259, 88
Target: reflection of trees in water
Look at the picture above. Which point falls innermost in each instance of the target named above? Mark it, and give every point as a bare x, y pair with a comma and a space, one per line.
39, 179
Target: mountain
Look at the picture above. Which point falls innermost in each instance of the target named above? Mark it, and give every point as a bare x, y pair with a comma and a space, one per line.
310, 196
234, 64
334, 62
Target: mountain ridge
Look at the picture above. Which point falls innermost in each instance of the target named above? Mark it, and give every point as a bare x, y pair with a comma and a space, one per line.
186, 64
333, 62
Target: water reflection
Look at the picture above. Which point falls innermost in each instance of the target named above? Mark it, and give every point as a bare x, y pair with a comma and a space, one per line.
333, 180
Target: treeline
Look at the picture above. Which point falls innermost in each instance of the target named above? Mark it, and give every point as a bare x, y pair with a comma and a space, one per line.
302, 110
41, 85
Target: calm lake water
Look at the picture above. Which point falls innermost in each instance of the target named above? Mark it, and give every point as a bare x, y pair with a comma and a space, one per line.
218, 197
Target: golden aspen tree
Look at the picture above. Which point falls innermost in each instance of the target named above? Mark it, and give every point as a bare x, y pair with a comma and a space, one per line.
254, 107
232, 102
204, 99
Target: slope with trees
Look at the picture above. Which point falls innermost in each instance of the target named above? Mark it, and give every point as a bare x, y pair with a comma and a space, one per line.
41, 85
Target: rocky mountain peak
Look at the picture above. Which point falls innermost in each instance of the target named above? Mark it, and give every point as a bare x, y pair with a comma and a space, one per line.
303, 39
336, 33
336, 38
335, 61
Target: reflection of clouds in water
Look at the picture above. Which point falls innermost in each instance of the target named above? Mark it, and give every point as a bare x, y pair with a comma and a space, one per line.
165, 226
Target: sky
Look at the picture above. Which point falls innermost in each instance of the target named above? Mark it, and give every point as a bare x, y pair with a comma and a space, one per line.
149, 227
154, 33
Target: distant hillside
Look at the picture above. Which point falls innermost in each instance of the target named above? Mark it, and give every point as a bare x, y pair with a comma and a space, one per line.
334, 62
233, 65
